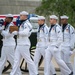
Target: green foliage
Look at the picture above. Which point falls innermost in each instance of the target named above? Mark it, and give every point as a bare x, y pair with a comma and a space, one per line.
58, 7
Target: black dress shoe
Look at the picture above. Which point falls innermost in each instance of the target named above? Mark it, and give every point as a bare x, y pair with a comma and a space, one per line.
54, 74
71, 73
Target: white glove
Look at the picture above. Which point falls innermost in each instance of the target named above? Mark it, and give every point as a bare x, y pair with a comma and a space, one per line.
46, 47
1, 28
56, 49
14, 32
74, 51
71, 52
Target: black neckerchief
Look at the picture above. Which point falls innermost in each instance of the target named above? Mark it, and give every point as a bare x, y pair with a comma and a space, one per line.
51, 27
6, 25
40, 26
63, 27
21, 21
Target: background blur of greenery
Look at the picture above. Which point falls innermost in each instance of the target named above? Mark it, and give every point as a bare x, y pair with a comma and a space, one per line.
58, 7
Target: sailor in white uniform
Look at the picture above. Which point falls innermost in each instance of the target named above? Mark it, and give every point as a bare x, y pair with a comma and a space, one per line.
23, 45
8, 49
67, 44
55, 40
42, 39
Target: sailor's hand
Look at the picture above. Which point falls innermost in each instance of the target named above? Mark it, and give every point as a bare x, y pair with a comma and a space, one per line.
1, 28
15, 32
74, 51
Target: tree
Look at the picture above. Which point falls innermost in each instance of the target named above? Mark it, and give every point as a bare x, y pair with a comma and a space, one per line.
58, 7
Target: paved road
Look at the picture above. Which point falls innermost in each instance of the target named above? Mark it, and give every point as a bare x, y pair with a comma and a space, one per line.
24, 73
41, 70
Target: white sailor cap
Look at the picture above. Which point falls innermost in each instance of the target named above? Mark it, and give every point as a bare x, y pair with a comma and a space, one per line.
24, 13
53, 17
41, 18
9, 15
64, 17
